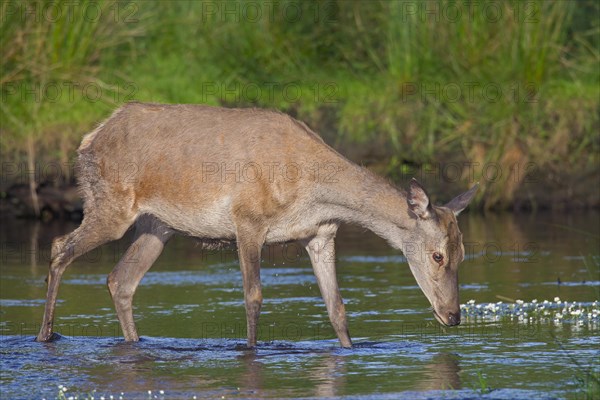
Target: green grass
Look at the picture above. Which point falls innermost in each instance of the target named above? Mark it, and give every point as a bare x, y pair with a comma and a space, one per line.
424, 88
482, 384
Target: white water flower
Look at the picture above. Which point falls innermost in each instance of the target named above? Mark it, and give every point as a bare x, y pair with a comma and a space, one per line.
557, 299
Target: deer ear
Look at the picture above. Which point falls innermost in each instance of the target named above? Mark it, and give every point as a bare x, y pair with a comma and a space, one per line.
418, 200
461, 202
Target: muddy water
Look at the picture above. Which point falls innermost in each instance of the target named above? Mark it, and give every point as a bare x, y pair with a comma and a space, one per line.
190, 314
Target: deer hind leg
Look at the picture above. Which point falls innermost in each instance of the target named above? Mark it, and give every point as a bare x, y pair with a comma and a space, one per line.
150, 238
321, 250
94, 231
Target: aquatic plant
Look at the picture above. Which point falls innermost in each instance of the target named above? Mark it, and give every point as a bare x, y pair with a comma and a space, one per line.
588, 381
62, 395
556, 311
483, 387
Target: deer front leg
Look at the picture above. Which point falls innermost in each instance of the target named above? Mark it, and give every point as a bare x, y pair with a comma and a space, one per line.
249, 249
321, 250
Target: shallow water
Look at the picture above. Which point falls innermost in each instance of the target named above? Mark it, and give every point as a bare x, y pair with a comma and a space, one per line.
189, 311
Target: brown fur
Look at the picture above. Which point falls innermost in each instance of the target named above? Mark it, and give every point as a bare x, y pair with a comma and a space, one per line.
249, 176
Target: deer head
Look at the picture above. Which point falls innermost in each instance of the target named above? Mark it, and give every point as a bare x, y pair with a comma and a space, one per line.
434, 249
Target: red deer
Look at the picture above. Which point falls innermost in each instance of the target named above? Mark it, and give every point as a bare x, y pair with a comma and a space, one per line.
250, 177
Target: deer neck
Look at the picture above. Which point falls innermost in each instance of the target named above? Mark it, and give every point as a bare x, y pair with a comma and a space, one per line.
360, 197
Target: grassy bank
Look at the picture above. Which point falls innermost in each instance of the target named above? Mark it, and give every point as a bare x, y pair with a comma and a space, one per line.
499, 90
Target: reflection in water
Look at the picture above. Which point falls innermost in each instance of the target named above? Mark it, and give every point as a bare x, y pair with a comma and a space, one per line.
33, 240
209, 366
131, 366
170, 365
324, 371
442, 373
329, 376
251, 379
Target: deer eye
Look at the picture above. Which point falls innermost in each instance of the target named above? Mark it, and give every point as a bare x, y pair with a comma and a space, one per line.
438, 258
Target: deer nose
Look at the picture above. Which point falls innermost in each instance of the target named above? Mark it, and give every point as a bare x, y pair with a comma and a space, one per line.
454, 318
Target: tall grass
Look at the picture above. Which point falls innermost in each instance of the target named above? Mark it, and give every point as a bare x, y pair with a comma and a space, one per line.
51, 66
432, 98
507, 82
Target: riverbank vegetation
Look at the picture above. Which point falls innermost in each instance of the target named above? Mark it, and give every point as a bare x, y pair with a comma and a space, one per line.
501, 92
